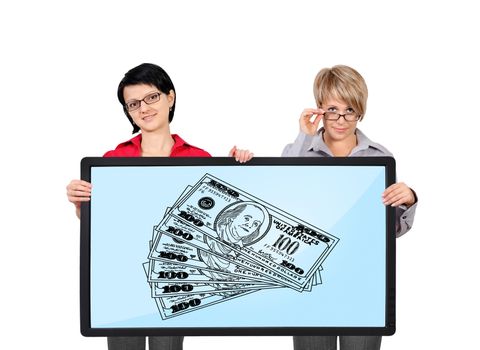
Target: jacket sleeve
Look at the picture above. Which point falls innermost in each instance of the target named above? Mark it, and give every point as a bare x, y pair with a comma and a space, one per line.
404, 218
299, 147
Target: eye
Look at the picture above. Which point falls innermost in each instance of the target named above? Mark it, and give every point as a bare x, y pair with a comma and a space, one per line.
132, 104
153, 97
332, 109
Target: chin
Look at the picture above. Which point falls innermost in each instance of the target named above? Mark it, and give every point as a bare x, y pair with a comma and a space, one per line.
340, 135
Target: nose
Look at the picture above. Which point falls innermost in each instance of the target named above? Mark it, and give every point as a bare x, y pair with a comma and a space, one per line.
143, 106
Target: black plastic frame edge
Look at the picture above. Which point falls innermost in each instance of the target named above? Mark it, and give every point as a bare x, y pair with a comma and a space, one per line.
390, 296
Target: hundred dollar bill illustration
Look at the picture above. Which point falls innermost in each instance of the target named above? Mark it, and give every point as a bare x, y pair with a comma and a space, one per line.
218, 242
162, 272
253, 233
166, 247
172, 306
178, 280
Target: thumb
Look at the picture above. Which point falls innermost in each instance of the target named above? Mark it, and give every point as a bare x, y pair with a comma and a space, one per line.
232, 151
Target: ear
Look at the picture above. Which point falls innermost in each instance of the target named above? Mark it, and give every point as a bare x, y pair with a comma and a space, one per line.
171, 98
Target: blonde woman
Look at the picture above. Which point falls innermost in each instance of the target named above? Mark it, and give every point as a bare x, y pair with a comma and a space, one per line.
341, 97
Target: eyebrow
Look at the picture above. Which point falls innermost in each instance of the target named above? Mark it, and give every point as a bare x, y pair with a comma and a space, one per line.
148, 93
337, 107
347, 106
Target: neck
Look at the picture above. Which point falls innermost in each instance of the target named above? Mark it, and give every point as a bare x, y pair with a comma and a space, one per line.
157, 143
341, 148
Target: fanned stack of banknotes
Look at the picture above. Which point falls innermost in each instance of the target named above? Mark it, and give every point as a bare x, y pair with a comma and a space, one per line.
218, 242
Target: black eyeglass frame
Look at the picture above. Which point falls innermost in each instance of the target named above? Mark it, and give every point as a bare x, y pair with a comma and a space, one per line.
355, 115
144, 100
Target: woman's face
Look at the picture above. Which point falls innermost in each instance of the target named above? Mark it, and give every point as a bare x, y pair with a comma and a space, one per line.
340, 129
153, 110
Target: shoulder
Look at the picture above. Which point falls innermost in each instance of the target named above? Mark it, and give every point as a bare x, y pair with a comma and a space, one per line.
381, 149
367, 147
130, 148
300, 147
181, 148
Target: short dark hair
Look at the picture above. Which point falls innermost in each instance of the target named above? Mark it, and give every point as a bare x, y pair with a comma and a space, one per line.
150, 74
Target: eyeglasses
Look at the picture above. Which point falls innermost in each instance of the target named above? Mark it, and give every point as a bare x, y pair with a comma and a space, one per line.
133, 105
349, 117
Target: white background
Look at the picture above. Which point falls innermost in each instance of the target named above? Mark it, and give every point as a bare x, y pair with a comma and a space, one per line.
243, 71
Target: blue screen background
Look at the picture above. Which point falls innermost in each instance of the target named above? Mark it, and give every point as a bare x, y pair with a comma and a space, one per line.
345, 201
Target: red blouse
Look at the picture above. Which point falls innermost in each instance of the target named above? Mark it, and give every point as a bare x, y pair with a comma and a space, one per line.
132, 148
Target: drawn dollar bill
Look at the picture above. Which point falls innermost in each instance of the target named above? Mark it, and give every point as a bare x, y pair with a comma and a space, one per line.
166, 247
177, 305
177, 280
218, 242
250, 232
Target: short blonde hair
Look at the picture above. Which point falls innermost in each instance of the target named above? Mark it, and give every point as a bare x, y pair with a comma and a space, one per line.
341, 83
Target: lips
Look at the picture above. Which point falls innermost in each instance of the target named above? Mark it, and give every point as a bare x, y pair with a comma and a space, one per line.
340, 130
148, 118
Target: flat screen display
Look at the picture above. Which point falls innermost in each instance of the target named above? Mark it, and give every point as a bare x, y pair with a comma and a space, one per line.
209, 246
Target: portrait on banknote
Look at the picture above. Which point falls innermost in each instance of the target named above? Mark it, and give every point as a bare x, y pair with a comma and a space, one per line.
281, 246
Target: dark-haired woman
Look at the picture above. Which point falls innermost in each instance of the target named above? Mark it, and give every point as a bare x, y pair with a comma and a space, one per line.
148, 98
